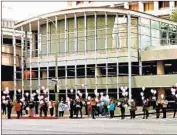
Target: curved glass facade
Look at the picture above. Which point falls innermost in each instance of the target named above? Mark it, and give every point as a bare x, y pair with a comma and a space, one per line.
97, 50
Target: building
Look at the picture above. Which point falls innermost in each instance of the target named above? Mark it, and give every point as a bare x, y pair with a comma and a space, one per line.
158, 8
7, 66
103, 48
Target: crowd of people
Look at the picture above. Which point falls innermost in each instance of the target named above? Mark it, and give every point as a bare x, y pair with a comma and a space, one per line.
95, 106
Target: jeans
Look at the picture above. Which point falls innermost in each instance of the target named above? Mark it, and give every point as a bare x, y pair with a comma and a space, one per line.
51, 111
61, 113
93, 112
174, 113
146, 113
132, 114
122, 114
71, 113
111, 114
157, 113
77, 112
18, 114
164, 112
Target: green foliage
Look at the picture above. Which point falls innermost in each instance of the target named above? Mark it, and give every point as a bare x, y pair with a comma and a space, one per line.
120, 100
174, 16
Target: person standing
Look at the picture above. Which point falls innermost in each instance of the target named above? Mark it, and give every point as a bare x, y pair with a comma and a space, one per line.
164, 103
45, 108
175, 107
31, 106
122, 110
105, 107
41, 107
132, 109
145, 108
61, 109
9, 109
18, 109
51, 107
36, 104
93, 104
78, 108
71, 108
158, 107
111, 109
3, 105
86, 107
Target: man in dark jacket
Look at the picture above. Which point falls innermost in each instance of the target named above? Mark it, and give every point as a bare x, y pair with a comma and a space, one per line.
78, 108
122, 110
72, 106
145, 108
9, 109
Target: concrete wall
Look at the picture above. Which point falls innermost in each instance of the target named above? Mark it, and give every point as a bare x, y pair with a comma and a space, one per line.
7, 55
158, 81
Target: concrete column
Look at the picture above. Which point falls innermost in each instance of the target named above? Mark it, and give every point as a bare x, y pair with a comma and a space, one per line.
44, 74
156, 5
34, 44
172, 4
126, 5
160, 91
160, 71
141, 6
97, 72
160, 68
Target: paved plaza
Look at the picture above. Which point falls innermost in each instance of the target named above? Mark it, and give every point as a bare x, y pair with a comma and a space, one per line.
90, 126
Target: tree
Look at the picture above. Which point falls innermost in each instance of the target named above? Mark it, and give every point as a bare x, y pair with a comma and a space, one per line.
174, 16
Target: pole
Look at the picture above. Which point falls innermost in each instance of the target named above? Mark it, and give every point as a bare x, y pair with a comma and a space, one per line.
56, 85
129, 55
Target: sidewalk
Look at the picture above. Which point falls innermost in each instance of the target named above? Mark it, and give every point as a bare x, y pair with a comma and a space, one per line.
14, 116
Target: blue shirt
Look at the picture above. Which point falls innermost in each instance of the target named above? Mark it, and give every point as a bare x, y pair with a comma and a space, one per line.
111, 107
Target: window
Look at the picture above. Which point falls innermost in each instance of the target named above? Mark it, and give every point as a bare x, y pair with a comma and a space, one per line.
79, 2
163, 4
149, 6
134, 6
175, 3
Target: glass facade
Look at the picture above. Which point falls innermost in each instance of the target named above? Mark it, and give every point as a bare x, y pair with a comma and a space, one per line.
93, 51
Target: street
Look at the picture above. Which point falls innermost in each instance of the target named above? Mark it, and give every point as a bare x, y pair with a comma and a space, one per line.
89, 126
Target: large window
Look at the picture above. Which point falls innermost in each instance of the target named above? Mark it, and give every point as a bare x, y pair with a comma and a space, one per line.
163, 4
149, 6
134, 6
